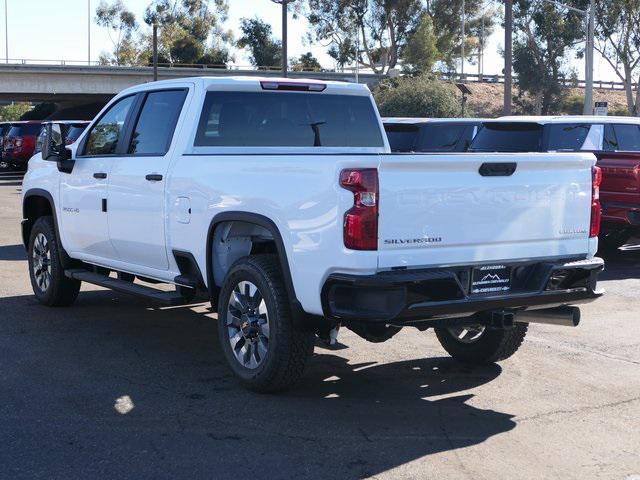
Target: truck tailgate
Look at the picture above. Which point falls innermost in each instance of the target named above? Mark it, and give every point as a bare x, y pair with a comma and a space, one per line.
621, 181
438, 209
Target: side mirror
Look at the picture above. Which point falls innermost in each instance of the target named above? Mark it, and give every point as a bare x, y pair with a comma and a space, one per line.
54, 147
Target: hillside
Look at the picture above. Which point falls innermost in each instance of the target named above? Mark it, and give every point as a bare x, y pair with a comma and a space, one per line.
487, 100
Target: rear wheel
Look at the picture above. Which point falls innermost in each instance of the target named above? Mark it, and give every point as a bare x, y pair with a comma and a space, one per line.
260, 343
50, 286
479, 344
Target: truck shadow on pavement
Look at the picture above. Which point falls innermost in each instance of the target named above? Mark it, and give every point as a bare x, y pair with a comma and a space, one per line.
111, 387
621, 264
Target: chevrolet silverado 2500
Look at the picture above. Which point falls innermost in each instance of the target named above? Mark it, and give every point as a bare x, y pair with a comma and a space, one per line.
279, 200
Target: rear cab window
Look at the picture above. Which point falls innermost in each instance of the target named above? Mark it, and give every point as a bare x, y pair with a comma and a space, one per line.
402, 137
23, 130
440, 138
288, 119
508, 137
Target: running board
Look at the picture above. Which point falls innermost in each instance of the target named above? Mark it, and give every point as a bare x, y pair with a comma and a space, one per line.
153, 294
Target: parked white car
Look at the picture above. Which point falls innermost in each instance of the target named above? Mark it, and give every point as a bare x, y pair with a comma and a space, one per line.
279, 200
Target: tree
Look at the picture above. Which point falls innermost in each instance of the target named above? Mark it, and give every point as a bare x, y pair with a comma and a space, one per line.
618, 41
14, 111
417, 97
383, 26
446, 16
190, 31
121, 24
257, 36
421, 51
544, 33
306, 63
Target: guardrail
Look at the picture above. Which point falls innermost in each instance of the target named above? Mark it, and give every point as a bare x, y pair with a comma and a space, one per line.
467, 77
565, 82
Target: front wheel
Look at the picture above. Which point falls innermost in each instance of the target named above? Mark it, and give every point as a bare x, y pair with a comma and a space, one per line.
260, 343
50, 286
479, 344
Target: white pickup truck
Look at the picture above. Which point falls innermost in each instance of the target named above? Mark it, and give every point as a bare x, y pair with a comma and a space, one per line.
279, 200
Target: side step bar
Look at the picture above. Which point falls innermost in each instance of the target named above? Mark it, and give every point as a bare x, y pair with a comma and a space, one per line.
157, 296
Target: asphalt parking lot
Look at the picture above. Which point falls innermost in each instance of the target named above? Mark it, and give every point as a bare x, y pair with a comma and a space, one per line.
114, 388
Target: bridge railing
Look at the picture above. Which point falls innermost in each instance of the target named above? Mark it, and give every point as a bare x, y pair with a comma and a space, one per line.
467, 77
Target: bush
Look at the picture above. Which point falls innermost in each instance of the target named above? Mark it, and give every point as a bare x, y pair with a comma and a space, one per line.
572, 105
417, 97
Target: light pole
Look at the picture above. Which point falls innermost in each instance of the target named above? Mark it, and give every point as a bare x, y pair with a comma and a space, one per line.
464, 35
89, 32
6, 31
508, 55
285, 61
590, 21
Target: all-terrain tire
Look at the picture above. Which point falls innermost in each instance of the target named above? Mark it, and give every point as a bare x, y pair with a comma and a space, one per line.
45, 251
288, 349
492, 346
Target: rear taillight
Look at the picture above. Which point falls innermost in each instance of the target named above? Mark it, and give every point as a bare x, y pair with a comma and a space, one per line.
596, 208
361, 220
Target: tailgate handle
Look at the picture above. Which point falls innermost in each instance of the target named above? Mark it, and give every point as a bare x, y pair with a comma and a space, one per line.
498, 169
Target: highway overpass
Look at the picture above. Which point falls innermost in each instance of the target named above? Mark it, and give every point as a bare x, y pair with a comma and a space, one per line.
72, 85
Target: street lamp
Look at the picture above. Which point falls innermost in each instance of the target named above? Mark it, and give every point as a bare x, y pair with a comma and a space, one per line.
285, 4
589, 16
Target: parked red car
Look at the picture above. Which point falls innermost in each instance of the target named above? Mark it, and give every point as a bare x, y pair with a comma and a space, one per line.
614, 140
20, 143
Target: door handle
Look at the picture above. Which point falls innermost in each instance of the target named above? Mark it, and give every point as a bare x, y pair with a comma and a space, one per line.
100, 175
154, 177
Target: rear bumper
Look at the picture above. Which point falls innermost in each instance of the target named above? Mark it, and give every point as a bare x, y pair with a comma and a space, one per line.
410, 296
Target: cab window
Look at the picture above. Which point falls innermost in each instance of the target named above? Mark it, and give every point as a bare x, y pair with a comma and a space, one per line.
157, 121
628, 137
104, 136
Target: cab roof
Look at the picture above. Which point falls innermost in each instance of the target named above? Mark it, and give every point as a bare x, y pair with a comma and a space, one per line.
422, 120
544, 120
251, 83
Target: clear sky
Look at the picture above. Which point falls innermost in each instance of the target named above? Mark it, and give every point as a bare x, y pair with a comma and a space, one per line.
57, 30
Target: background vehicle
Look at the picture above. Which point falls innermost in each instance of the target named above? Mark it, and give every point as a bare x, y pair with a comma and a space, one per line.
70, 129
614, 140
20, 143
4, 128
431, 134
279, 200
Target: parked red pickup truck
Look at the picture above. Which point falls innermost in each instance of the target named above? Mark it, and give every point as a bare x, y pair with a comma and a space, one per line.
614, 140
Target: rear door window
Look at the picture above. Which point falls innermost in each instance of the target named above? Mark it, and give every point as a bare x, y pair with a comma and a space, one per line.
279, 119
628, 137
508, 137
440, 138
402, 138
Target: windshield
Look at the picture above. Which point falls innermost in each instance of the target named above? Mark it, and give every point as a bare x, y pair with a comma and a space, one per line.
508, 137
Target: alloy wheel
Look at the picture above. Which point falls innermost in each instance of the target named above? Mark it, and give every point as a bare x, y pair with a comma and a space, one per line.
247, 325
41, 256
